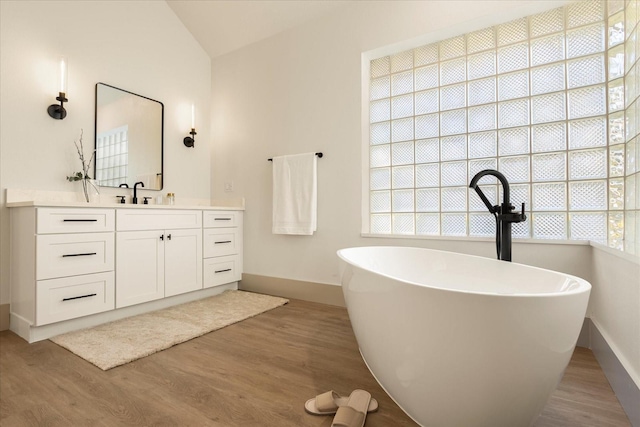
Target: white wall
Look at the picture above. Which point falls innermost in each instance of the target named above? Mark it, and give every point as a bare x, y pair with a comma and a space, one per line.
615, 305
140, 46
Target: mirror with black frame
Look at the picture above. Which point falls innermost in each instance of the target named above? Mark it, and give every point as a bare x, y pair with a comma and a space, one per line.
129, 138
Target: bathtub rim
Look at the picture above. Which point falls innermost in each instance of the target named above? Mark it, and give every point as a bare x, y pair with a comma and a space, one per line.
583, 285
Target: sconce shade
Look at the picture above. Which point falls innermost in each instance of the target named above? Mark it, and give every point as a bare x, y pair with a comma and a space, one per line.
63, 75
189, 141
57, 111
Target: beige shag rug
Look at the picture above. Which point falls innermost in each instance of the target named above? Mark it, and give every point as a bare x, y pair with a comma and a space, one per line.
116, 343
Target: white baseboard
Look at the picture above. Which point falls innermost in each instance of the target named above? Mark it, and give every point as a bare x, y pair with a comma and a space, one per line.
623, 386
295, 289
5, 315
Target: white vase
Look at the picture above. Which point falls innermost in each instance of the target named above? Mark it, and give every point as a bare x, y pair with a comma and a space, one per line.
89, 191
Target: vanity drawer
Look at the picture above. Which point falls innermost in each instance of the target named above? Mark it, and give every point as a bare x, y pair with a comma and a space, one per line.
140, 219
72, 220
219, 219
221, 270
60, 255
71, 297
220, 242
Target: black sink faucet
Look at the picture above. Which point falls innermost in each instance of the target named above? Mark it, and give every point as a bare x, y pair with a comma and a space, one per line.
135, 191
503, 213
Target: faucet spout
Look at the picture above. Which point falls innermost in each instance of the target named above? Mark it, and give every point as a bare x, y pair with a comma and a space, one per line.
506, 192
135, 191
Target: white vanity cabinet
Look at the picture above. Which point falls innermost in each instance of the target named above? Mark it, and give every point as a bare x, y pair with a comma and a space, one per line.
222, 235
74, 267
156, 261
62, 263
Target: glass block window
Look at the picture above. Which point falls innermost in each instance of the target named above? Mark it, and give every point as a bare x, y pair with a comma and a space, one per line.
549, 100
112, 148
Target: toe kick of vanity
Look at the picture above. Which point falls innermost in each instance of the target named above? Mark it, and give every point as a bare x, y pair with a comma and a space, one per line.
74, 267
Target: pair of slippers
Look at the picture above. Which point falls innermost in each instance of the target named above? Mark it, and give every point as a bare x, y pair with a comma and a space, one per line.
349, 411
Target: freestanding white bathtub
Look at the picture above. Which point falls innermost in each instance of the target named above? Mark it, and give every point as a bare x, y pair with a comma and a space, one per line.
459, 340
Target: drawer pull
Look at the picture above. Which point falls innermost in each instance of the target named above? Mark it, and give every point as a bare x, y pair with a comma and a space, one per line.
81, 296
222, 219
87, 254
79, 220
224, 241
222, 271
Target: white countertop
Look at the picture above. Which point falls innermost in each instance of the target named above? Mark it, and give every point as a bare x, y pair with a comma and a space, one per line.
16, 198
43, 204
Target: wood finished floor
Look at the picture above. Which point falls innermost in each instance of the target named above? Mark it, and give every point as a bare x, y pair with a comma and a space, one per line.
258, 372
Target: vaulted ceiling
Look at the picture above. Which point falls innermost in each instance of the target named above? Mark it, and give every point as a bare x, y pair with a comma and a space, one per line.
222, 26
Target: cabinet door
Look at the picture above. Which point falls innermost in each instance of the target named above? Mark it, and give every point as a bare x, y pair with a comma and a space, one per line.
183, 261
139, 267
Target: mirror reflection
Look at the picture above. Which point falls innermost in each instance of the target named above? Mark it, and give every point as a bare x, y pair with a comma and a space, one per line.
129, 138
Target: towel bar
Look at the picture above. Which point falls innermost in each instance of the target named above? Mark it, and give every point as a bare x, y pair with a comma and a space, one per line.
317, 154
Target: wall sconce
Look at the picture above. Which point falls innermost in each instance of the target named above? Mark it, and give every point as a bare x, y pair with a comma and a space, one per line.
57, 111
189, 141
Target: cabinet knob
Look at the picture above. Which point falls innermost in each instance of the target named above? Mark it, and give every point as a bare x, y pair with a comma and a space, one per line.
168, 236
162, 237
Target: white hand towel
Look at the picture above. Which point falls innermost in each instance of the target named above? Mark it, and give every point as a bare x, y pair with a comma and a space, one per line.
295, 191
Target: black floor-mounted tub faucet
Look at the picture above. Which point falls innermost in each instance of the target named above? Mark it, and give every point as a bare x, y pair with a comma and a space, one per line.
503, 213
